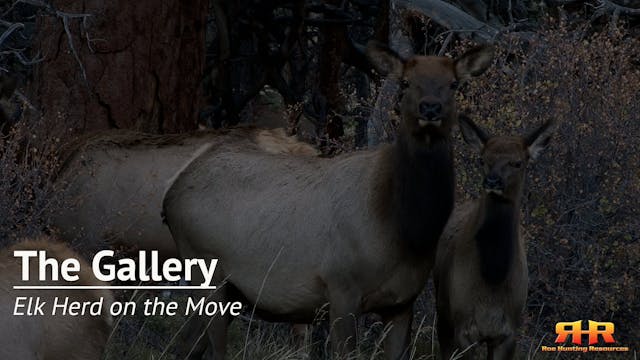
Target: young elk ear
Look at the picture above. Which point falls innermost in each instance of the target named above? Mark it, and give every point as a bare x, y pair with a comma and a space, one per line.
472, 133
474, 62
538, 139
386, 61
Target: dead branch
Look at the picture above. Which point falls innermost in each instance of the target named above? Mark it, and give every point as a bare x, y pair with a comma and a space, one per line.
65, 22
13, 27
615, 9
20, 56
65, 17
452, 18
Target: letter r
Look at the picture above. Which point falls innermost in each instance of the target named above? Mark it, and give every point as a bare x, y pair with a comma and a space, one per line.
600, 328
564, 329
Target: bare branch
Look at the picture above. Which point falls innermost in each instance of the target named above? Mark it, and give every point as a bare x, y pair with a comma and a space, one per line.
9, 31
65, 23
452, 18
20, 56
615, 9
24, 100
445, 44
65, 17
564, 2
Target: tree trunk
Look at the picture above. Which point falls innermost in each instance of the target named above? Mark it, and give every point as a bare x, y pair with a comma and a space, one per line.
130, 64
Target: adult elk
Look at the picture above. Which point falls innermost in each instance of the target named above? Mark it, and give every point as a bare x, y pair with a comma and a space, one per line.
115, 181
480, 273
358, 231
46, 336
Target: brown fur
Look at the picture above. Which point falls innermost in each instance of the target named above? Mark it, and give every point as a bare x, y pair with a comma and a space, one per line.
114, 181
480, 273
50, 337
274, 141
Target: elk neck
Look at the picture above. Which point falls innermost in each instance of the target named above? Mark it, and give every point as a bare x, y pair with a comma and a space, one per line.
422, 190
497, 237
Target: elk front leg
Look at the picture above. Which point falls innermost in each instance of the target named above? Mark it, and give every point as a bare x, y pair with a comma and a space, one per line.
207, 336
446, 338
343, 315
398, 338
218, 325
191, 345
504, 350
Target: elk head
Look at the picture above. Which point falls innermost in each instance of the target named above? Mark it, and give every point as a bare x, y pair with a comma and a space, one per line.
504, 158
428, 85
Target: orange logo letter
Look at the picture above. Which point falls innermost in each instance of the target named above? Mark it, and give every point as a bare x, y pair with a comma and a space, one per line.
600, 328
564, 329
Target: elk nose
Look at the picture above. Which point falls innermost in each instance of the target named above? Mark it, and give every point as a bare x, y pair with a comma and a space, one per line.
430, 110
493, 182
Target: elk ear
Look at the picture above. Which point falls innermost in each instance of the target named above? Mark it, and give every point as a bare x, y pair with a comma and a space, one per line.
386, 61
474, 62
538, 139
472, 133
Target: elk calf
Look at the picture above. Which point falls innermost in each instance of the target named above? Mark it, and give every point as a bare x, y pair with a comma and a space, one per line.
481, 268
45, 337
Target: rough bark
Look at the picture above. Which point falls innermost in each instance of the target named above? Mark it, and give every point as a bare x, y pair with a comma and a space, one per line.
333, 49
143, 62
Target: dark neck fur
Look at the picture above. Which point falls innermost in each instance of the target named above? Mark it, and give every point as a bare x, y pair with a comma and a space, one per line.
422, 191
496, 238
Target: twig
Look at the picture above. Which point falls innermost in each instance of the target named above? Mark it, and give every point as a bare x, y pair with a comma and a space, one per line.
616, 9
10, 30
65, 22
24, 100
64, 16
445, 44
452, 18
23, 60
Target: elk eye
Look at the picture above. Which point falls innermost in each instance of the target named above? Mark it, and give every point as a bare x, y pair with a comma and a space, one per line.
404, 83
454, 85
516, 164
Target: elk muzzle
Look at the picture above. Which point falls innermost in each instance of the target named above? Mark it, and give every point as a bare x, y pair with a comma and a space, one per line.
493, 183
430, 113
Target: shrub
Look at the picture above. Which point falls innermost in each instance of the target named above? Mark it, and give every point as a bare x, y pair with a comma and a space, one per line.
580, 212
27, 163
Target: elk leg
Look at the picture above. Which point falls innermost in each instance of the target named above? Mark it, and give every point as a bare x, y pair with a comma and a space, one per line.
190, 342
343, 314
301, 334
398, 339
208, 335
502, 351
446, 338
218, 325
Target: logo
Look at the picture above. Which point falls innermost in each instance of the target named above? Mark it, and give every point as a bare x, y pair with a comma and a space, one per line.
596, 330
596, 333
